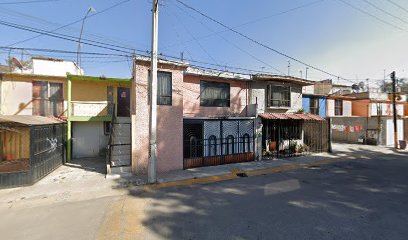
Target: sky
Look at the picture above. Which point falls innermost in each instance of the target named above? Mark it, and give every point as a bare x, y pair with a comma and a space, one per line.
352, 39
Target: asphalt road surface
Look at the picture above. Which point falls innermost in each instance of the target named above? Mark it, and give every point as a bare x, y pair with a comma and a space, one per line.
360, 199
365, 198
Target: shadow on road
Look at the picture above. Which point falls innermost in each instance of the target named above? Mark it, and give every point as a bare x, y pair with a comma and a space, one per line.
361, 199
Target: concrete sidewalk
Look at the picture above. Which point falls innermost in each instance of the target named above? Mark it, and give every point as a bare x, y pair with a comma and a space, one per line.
84, 179
230, 171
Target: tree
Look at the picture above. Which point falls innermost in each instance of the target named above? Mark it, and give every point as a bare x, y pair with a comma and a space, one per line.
11, 61
402, 84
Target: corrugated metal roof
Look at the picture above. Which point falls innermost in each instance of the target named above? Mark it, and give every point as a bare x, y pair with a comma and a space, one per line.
28, 120
291, 116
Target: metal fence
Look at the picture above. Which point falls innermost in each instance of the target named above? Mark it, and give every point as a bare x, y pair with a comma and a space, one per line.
216, 142
289, 138
46, 151
210, 152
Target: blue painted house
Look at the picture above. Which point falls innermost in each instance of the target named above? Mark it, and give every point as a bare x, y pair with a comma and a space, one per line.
315, 103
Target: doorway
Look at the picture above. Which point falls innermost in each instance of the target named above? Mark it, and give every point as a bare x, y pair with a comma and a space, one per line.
123, 100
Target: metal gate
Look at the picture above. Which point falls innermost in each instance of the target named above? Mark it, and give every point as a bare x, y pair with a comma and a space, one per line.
289, 138
216, 142
316, 135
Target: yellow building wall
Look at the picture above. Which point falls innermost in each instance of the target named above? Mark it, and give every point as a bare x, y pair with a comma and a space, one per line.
92, 91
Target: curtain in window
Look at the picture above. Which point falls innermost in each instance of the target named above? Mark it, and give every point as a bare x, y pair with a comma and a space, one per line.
56, 99
164, 88
40, 98
215, 94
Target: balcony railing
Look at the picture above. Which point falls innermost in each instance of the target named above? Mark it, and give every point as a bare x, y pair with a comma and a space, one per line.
91, 108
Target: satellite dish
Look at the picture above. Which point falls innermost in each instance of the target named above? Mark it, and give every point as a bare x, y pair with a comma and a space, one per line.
17, 63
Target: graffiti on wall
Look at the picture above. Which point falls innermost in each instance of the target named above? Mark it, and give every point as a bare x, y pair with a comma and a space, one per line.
344, 128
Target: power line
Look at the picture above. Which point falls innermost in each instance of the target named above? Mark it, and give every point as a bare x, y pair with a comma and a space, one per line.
384, 11
26, 2
72, 23
131, 55
372, 15
398, 6
254, 21
53, 25
169, 58
198, 43
62, 51
67, 37
235, 45
220, 65
259, 43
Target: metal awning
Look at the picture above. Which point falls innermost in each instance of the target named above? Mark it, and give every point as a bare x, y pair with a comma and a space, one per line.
28, 120
291, 116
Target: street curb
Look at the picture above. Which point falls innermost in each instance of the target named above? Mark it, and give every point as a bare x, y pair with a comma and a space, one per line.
234, 174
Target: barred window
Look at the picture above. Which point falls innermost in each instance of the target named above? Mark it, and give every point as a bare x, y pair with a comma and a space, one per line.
278, 96
338, 107
314, 105
164, 88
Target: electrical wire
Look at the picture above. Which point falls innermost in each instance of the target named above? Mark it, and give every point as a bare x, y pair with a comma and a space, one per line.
398, 6
26, 2
372, 15
191, 62
164, 57
72, 23
68, 37
198, 43
53, 25
253, 21
384, 11
257, 42
233, 44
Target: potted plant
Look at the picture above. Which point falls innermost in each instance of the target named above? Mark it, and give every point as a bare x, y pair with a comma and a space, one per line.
272, 146
8, 157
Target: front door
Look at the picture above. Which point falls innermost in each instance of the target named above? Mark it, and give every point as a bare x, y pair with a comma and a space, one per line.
123, 102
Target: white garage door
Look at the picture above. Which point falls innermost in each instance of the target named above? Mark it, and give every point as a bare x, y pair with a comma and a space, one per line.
390, 131
88, 139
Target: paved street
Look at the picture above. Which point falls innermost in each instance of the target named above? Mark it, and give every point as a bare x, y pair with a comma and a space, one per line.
352, 199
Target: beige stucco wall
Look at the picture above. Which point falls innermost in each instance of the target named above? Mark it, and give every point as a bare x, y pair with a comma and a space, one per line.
169, 123
191, 98
17, 91
258, 95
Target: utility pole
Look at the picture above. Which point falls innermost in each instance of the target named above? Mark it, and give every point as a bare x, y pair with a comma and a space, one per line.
306, 72
152, 165
394, 108
301, 74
